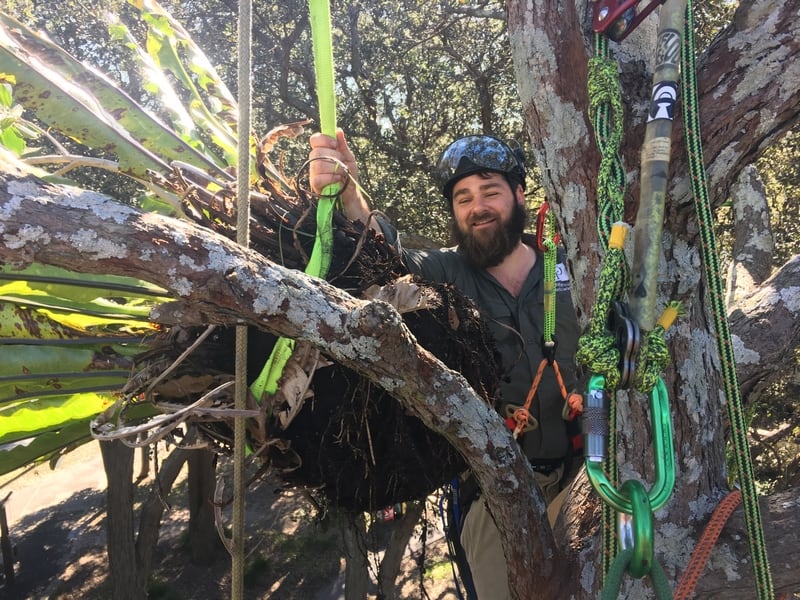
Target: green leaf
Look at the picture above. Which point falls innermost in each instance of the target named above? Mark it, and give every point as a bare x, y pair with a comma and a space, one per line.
41, 415
69, 108
215, 112
13, 141
68, 435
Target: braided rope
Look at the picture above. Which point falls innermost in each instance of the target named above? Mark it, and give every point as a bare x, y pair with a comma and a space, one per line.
702, 551
617, 570
597, 349
605, 106
653, 353
716, 299
549, 291
245, 24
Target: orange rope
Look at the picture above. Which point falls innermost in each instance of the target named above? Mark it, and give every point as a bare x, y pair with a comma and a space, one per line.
697, 563
522, 414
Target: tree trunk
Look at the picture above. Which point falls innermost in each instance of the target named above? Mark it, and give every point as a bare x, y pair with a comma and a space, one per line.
204, 540
395, 549
128, 581
356, 571
130, 556
551, 44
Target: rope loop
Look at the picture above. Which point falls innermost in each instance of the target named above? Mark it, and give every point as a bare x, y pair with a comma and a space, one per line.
653, 354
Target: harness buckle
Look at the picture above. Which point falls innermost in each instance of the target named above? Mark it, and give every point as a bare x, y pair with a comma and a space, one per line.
549, 350
617, 18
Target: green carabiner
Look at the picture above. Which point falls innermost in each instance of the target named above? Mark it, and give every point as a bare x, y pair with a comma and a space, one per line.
636, 529
663, 452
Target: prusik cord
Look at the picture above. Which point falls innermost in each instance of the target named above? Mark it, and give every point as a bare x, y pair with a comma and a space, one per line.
605, 105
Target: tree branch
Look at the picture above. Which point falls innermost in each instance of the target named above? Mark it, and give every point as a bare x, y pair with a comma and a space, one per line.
228, 284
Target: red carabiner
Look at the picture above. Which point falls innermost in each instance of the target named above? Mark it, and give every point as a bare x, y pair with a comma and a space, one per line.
617, 18
541, 225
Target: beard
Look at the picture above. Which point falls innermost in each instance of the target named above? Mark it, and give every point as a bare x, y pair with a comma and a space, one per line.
489, 248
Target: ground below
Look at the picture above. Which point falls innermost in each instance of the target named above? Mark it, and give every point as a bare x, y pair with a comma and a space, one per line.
57, 528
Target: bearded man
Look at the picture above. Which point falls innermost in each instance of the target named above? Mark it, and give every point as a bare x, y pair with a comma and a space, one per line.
498, 266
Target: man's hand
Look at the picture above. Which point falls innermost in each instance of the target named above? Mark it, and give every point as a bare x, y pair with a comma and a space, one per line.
332, 162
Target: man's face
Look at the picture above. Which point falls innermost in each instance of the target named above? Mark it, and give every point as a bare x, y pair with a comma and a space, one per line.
488, 218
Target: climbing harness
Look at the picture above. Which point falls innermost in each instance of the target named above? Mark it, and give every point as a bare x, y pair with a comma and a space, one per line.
320, 260
613, 342
518, 418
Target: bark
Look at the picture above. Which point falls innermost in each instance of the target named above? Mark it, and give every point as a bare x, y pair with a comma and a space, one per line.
131, 550
220, 282
395, 548
753, 244
127, 580
204, 541
356, 573
781, 512
748, 96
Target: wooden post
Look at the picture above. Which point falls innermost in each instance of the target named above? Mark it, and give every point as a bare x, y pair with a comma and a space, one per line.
5, 542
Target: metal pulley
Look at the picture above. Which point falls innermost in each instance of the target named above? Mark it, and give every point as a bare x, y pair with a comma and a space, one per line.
617, 18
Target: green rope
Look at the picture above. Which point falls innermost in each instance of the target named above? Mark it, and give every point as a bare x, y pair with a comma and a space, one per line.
616, 572
549, 286
653, 356
605, 108
321, 254
716, 296
598, 348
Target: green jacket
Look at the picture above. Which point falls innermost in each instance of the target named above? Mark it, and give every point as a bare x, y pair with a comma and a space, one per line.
517, 327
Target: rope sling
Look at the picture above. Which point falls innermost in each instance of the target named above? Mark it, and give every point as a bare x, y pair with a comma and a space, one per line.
243, 164
615, 366
320, 260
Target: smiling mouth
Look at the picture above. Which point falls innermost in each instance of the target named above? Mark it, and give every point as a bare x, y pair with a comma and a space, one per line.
483, 223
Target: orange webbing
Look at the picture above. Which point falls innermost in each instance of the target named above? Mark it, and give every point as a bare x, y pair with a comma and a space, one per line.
697, 563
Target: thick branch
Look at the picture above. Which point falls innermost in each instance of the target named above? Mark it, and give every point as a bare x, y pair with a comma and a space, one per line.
227, 284
766, 328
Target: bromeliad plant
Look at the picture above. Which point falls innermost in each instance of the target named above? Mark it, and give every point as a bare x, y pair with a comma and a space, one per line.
390, 455
68, 339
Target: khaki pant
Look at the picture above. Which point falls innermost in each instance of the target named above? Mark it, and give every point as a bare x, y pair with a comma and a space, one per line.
481, 540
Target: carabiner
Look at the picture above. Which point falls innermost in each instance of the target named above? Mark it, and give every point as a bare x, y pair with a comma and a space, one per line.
542, 223
617, 18
635, 530
663, 451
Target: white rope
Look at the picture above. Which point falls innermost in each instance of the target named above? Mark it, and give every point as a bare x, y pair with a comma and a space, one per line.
243, 238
